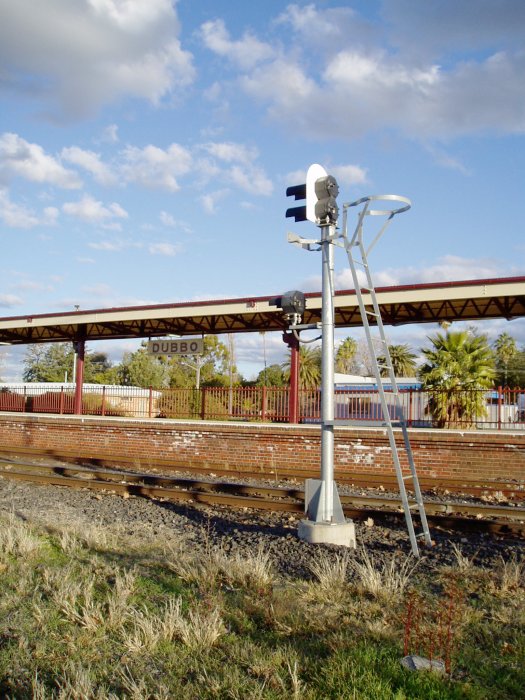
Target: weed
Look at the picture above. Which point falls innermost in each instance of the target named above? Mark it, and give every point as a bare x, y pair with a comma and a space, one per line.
17, 538
382, 575
463, 562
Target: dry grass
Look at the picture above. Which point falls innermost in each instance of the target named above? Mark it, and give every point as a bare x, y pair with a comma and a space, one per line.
74, 624
198, 630
17, 538
213, 566
510, 575
382, 575
331, 577
463, 562
249, 569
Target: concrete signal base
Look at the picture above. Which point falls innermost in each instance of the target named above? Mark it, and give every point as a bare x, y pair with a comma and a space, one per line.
328, 533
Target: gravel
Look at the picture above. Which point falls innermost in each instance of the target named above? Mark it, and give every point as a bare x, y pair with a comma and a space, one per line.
235, 531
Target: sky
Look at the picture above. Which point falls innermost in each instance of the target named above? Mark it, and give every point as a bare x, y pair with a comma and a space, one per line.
146, 147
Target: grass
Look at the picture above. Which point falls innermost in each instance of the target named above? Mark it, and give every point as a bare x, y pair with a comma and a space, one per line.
91, 615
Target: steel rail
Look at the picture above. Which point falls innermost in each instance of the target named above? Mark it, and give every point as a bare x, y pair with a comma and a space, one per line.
495, 519
481, 488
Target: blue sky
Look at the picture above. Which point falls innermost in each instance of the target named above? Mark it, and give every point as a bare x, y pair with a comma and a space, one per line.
146, 145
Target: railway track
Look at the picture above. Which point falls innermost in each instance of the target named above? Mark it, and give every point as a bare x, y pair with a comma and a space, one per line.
511, 491
495, 519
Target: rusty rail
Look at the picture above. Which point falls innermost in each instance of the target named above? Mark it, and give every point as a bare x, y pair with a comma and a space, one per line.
499, 520
485, 488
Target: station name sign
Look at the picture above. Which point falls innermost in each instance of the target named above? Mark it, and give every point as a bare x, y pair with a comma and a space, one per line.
176, 346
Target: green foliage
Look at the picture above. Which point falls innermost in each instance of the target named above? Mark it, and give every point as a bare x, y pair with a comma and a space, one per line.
53, 362
403, 361
309, 367
180, 403
508, 361
97, 613
141, 369
188, 371
515, 374
271, 376
345, 357
458, 368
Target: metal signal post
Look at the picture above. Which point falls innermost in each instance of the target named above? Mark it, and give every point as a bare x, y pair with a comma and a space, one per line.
325, 521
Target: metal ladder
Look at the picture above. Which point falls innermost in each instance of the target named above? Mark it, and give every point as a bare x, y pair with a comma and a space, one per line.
358, 259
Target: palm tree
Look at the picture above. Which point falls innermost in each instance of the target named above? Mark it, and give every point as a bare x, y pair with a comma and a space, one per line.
345, 356
309, 367
403, 361
458, 368
506, 350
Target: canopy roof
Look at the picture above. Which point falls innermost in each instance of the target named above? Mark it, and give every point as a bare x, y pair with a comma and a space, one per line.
417, 303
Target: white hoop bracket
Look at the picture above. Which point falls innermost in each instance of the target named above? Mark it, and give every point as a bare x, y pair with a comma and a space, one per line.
382, 197
357, 238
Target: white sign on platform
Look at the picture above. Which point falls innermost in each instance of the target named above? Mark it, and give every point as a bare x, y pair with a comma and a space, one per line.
176, 346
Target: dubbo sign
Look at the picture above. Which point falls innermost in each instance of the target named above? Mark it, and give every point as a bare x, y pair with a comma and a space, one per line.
176, 346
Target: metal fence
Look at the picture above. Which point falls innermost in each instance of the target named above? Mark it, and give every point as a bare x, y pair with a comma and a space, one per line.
498, 409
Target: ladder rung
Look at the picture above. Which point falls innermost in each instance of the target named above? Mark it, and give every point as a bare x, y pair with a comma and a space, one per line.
372, 313
407, 476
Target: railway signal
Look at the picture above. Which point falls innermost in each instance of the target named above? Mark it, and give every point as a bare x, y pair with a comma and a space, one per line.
325, 520
319, 192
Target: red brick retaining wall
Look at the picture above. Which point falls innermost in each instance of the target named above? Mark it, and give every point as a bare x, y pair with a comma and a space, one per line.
268, 447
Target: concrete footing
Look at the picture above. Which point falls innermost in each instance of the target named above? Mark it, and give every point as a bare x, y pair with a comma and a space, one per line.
328, 533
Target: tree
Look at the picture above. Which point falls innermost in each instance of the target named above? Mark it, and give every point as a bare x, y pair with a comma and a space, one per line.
48, 362
516, 370
458, 368
53, 362
403, 361
271, 376
505, 349
214, 367
345, 356
141, 369
309, 367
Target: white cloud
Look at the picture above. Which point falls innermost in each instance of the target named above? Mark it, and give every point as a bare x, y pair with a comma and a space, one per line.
89, 209
209, 201
434, 26
349, 174
252, 180
167, 219
455, 89
245, 52
154, 167
112, 246
19, 158
91, 162
232, 152
110, 134
167, 249
100, 289
80, 55
170, 221
243, 171
449, 268
19, 216
9, 300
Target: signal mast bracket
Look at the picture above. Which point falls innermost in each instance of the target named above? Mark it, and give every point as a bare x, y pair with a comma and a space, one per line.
301, 242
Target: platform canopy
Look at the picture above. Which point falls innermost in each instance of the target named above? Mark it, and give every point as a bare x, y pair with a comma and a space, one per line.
417, 303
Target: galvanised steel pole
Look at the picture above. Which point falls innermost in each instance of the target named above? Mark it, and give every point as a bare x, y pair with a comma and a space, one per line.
327, 374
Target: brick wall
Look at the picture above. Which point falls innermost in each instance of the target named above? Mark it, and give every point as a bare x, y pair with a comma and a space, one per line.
267, 447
